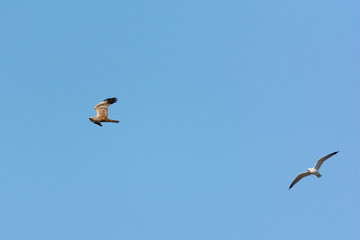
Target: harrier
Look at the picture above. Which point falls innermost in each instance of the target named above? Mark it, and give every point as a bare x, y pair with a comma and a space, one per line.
312, 171
102, 112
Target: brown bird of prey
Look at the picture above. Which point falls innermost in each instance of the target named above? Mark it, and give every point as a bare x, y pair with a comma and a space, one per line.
102, 112
312, 171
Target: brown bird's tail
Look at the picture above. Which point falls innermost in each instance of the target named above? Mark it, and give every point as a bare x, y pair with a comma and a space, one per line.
114, 121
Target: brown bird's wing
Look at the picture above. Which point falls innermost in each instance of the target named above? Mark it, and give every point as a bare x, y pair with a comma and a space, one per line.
298, 178
102, 108
322, 159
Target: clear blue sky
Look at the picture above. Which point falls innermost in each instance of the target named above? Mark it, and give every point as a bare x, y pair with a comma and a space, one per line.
221, 104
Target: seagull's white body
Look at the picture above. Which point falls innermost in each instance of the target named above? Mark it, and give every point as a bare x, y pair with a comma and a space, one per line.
315, 172
312, 171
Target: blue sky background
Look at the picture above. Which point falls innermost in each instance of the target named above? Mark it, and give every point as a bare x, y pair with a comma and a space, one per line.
221, 104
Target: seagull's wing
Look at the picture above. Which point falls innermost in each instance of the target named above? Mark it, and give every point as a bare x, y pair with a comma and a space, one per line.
299, 177
102, 107
322, 159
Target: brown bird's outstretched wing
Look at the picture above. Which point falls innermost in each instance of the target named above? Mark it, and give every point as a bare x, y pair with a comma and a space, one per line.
98, 123
298, 178
102, 107
322, 159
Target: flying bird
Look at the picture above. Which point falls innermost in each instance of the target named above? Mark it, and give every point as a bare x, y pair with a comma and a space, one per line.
312, 171
102, 112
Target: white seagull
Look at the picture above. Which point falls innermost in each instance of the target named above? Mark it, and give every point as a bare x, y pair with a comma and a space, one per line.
312, 171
